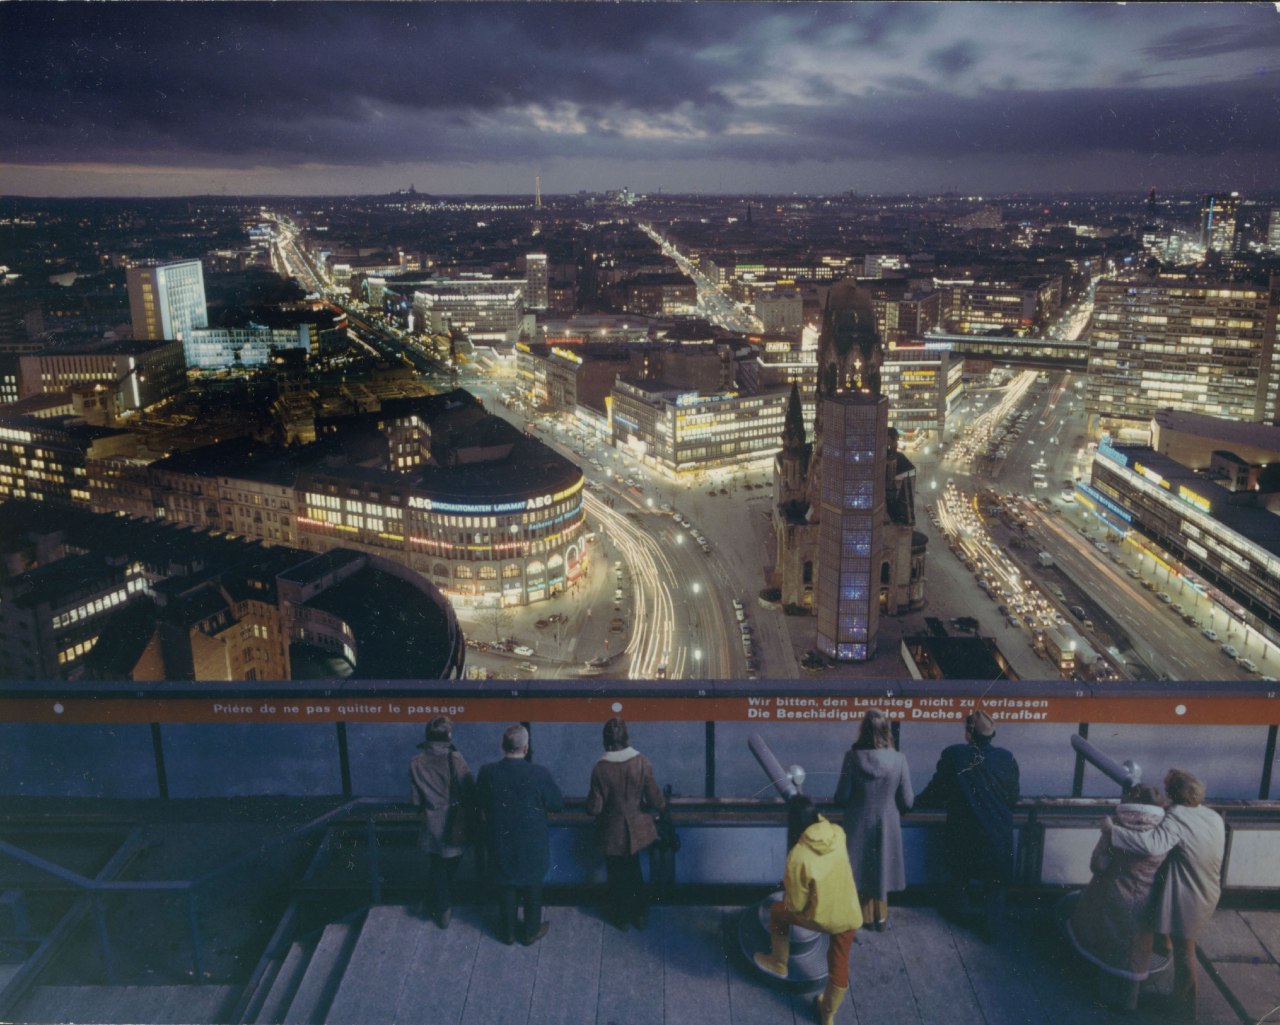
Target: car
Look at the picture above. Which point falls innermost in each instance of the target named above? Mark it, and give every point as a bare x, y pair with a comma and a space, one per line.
1077, 611
528, 667
1247, 664
523, 650
1162, 596
1133, 573
1177, 609
1210, 633
737, 604
1086, 624
1013, 620
740, 615
1229, 650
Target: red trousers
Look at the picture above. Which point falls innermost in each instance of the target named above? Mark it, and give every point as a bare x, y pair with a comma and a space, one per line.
780, 922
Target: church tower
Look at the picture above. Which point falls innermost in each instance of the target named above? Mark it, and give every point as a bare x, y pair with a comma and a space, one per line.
847, 548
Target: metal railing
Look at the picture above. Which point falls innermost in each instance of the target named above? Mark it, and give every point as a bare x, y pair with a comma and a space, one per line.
98, 889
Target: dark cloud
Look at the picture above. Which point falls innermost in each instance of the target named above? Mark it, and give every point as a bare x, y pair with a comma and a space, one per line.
284, 84
1195, 41
953, 59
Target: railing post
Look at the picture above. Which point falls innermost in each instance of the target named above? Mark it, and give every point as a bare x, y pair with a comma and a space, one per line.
104, 941
375, 883
197, 951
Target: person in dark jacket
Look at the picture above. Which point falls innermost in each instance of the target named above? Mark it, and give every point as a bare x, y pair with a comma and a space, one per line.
432, 776
977, 783
874, 789
622, 797
515, 799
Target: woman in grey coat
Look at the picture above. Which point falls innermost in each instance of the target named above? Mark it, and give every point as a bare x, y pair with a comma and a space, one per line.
431, 776
874, 789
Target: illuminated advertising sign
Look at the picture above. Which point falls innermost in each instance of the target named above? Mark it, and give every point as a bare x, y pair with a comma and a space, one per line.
1187, 495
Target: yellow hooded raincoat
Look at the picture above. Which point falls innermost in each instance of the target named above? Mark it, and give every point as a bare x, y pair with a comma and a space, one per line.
819, 881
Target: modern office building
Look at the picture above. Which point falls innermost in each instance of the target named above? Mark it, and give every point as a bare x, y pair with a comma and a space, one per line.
844, 509
1273, 232
921, 385
137, 374
537, 281
781, 311
683, 431
905, 314
562, 378
166, 300
1020, 307
46, 460
482, 308
1218, 214
1171, 343
221, 348
658, 294
1217, 541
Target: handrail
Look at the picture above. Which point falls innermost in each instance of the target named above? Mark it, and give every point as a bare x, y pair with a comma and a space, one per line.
96, 887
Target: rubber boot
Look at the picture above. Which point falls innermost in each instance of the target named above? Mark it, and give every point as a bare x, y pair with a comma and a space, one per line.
830, 1001
775, 962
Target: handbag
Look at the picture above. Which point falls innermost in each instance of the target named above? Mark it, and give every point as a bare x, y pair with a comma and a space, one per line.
668, 839
457, 819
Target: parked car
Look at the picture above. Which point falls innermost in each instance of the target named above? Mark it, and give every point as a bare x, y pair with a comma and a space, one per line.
1229, 650
523, 650
1161, 596
1247, 664
1210, 633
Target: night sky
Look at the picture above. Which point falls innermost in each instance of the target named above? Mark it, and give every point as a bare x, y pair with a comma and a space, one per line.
184, 98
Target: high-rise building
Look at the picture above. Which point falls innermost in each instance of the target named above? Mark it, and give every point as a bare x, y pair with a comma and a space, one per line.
1218, 221
166, 300
1273, 232
1169, 343
537, 280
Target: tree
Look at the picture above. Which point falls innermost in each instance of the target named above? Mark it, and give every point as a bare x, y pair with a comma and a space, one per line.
493, 613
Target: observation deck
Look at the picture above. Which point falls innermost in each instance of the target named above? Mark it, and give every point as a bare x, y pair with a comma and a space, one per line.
180, 853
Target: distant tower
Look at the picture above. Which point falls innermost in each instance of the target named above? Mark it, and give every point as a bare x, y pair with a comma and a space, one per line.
1152, 205
1218, 222
167, 300
537, 191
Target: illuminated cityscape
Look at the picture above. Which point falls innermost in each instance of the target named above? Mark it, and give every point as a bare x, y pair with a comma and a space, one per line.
728, 367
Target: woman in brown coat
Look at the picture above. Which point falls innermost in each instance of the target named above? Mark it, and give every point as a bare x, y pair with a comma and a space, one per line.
622, 798
432, 776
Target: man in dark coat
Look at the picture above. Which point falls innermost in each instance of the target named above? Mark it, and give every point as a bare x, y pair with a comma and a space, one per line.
977, 783
515, 798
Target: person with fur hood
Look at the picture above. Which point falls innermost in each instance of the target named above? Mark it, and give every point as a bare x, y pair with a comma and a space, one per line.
819, 894
623, 797
1111, 923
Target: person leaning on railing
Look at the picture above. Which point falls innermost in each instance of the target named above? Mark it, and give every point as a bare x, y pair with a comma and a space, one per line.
1195, 839
440, 784
874, 790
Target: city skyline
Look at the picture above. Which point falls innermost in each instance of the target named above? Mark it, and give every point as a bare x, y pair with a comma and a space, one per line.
246, 99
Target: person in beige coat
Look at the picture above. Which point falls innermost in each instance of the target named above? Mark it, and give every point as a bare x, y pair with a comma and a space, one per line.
1194, 838
622, 798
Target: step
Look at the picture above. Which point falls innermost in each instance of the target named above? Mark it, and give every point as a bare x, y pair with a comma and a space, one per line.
259, 996
323, 975
370, 986
285, 986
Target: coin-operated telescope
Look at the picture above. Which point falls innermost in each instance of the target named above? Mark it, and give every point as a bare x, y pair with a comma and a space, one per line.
807, 967
1127, 774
